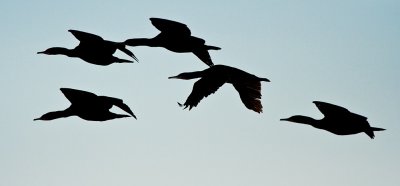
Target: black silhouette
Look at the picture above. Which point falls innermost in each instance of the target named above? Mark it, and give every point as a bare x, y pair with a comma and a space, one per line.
88, 106
337, 120
248, 85
93, 49
175, 37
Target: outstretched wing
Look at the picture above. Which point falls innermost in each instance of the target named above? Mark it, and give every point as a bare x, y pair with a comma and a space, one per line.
204, 56
117, 102
201, 50
170, 27
91, 44
77, 96
201, 89
96, 45
127, 52
86, 37
250, 94
331, 110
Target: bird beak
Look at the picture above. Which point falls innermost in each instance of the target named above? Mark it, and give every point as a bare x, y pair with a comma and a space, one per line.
41, 52
284, 119
36, 119
173, 77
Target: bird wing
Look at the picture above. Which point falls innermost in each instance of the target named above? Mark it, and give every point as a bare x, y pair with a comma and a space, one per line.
331, 110
250, 94
204, 56
201, 89
86, 37
91, 44
117, 102
171, 27
127, 52
77, 96
96, 45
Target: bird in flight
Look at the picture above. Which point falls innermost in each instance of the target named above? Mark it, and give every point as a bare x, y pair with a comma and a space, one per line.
175, 37
93, 49
337, 120
88, 106
248, 85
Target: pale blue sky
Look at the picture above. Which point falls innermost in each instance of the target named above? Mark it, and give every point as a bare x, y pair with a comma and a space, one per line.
342, 52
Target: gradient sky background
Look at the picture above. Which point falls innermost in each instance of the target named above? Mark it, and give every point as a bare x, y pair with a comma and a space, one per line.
342, 52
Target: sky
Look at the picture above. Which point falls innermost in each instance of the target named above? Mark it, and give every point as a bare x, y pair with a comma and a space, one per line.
341, 52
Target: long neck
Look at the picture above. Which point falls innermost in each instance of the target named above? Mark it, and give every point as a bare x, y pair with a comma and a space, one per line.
193, 75
62, 114
306, 120
58, 114
142, 42
65, 51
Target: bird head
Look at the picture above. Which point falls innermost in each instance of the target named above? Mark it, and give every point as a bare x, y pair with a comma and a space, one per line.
179, 76
186, 75
301, 119
291, 119
46, 117
54, 51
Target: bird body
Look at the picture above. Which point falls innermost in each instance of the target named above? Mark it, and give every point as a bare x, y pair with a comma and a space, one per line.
88, 106
175, 37
92, 49
337, 120
248, 85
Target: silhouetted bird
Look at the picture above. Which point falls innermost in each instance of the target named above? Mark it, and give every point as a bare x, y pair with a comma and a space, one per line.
337, 120
248, 85
92, 49
175, 37
88, 106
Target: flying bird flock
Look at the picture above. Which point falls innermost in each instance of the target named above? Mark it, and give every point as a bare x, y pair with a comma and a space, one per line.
177, 37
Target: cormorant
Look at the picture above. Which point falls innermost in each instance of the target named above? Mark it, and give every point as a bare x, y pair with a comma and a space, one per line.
175, 37
93, 49
88, 106
337, 120
248, 85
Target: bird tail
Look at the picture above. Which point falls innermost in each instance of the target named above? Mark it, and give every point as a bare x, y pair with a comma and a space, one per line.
212, 47
119, 60
264, 79
370, 132
377, 129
